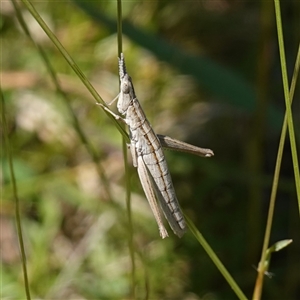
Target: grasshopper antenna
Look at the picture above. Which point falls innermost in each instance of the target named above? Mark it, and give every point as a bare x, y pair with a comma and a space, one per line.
122, 66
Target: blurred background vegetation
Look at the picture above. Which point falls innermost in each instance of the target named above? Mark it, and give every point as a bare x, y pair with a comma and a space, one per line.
206, 72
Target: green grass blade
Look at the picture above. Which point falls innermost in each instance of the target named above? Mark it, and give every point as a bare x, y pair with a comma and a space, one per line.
260, 276
214, 258
287, 100
127, 170
16, 198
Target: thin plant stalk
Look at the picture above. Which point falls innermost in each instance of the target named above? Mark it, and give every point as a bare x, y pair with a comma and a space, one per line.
126, 167
287, 122
215, 259
260, 275
16, 197
287, 100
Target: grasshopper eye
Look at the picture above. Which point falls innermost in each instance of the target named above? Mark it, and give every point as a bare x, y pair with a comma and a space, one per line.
125, 87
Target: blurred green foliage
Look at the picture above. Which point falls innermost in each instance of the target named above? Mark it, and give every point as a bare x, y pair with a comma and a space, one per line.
206, 72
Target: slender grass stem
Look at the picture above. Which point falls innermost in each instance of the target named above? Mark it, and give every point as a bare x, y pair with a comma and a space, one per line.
287, 100
127, 170
260, 277
215, 259
17, 201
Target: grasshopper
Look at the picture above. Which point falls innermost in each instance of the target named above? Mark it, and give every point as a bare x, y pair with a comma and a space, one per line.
148, 157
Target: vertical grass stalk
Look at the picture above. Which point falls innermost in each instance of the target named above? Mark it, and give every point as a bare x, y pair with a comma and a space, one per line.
16, 197
287, 100
287, 122
127, 171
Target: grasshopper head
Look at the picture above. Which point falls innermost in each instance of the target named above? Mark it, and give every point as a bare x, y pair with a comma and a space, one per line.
126, 94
